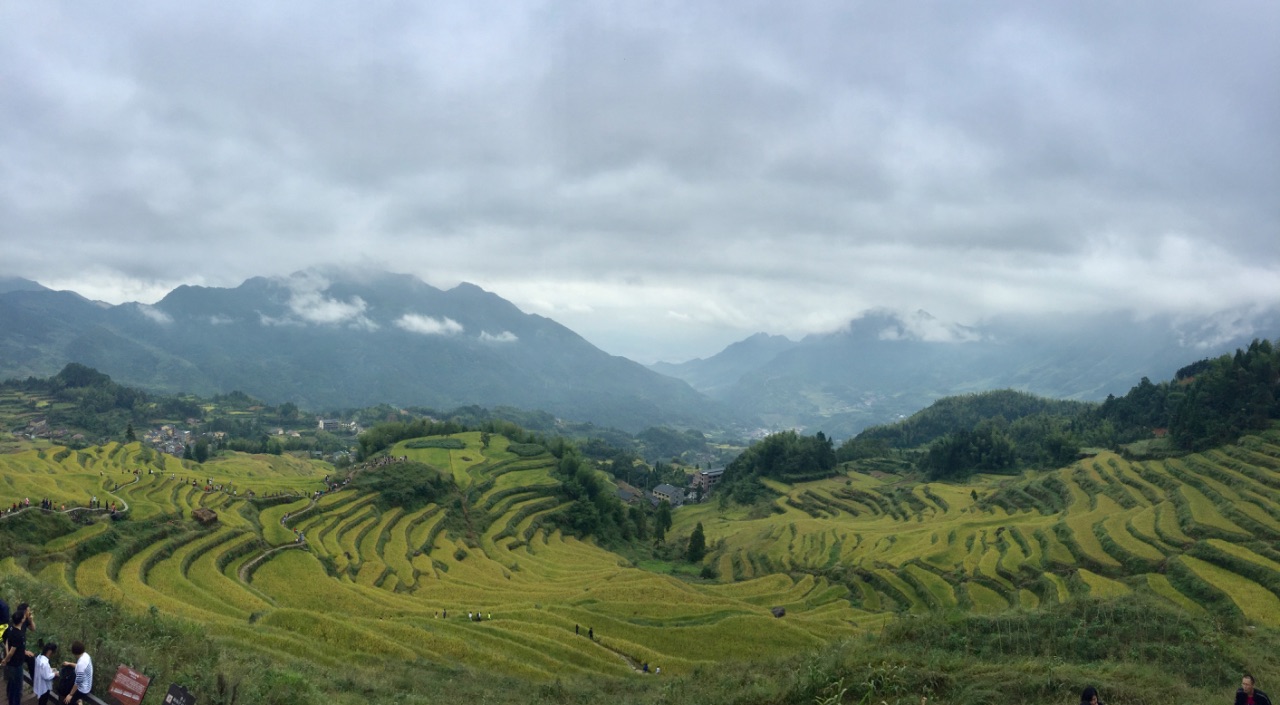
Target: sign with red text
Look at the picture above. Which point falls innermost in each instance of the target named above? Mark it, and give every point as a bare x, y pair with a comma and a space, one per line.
129, 686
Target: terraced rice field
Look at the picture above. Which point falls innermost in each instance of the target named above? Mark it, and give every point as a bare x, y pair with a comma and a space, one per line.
1103, 526
839, 555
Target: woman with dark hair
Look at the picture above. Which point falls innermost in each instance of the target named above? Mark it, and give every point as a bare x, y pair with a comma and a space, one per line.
15, 654
1090, 696
42, 679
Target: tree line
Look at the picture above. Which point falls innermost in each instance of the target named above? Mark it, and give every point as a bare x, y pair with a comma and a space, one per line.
1207, 403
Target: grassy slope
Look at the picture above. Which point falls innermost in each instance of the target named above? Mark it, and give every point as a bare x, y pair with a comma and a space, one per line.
840, 555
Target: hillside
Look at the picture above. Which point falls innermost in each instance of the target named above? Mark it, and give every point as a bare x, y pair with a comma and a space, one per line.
505, 559
328, 341
841, 556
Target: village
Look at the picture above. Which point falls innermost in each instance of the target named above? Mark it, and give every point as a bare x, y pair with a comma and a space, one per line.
177, 440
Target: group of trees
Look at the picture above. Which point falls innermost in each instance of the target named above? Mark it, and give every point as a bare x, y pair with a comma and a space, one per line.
1208, 403
409, 485
983, 449
786, 456
594, 508
1234, 394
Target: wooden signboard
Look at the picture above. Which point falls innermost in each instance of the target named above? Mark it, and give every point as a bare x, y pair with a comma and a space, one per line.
129, 686
179, 696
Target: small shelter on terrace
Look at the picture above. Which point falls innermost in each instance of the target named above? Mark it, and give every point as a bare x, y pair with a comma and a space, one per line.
205, 516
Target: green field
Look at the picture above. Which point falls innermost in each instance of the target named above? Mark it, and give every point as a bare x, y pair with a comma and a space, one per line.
840, 555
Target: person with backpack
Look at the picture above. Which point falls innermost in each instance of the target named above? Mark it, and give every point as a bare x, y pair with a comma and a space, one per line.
84, 675
42, 679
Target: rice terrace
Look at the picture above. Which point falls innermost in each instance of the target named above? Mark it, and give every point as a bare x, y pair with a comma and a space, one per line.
448, 559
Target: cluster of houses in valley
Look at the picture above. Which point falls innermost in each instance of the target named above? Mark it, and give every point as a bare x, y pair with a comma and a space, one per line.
168, 439
700, 486
172, 439
40, 428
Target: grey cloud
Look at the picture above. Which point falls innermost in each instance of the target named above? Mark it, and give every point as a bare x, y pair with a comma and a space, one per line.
308, 302
429, 325
505, 336
154, 314
780, 166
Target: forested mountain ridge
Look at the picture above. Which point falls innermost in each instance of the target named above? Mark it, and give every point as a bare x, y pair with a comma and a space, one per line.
1207, 403
332, 340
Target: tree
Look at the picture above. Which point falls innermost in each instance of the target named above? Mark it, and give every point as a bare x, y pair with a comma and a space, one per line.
201, 452
697, 545
640, 521
129, 435
785, 456
662, 520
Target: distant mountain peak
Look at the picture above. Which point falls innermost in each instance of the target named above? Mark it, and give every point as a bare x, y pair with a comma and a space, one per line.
8, 284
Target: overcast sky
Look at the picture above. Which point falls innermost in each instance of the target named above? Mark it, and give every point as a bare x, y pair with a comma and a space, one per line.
664, 178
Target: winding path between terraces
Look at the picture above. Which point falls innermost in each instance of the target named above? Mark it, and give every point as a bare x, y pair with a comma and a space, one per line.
249, 565
124, 506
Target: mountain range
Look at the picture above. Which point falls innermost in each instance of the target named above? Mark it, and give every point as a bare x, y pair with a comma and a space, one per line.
341, 340
337, 339
883, 367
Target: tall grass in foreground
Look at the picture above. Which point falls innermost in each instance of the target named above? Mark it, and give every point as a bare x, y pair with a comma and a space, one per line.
1136, 650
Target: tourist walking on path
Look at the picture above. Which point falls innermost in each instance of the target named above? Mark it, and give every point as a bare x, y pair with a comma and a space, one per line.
84, 675
1250, 695
42, 679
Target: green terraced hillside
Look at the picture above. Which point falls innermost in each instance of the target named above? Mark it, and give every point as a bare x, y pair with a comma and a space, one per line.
1186, 529
841, 555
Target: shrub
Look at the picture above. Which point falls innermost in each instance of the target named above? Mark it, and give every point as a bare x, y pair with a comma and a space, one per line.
526, 450
449, 443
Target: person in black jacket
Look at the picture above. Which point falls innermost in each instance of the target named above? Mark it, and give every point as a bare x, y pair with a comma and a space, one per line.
1248, 694
1090, 696
15, 653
